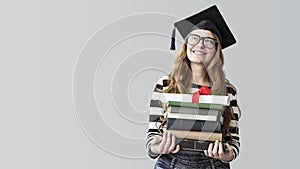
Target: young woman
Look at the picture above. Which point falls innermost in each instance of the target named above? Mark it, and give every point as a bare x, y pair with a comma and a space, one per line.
199, 63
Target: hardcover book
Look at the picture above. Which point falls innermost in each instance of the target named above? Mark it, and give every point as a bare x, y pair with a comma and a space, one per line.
195, 105
195, 135
193, 110
193, 125
211, 99
193, 113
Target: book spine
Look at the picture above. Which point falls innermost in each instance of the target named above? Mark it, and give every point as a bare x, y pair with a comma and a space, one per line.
193, 110
194, 135
193, 125
211, 99
192, 116
195, 105
195, 145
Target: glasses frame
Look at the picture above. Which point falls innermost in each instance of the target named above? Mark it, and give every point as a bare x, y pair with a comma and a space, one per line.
202, 38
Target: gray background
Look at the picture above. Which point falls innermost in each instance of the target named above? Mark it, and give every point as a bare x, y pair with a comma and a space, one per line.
42, 43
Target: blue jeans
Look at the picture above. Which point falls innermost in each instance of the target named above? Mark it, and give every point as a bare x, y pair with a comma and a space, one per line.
189, 160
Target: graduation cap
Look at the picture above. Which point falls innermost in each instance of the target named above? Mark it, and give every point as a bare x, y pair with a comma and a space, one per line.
208, 19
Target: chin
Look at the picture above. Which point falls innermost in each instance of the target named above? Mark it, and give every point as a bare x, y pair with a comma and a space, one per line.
197, 61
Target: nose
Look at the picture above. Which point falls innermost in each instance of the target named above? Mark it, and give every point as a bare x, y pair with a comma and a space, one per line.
200, 43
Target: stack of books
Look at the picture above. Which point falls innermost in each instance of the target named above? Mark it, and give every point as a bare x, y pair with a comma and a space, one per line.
195, 121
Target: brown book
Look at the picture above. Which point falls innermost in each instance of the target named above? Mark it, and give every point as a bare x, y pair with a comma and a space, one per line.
195, 135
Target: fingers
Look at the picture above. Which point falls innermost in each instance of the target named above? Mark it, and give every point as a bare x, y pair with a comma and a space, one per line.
214, 150
228, 155
209, 150
176, 150
173, 142
156, 140
230, 150
221, 151
155, 148
168, 144
163, 142
173, 145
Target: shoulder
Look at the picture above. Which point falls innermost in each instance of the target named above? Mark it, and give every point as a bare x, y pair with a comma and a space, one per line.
162, 83
163, 80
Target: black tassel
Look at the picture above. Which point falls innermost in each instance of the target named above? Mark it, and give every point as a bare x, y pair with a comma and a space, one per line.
173, 40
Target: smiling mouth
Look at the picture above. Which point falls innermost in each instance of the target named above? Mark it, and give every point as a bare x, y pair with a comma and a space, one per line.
199, 52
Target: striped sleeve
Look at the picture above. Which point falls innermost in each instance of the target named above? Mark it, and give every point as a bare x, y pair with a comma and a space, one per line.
156, 111
234, 127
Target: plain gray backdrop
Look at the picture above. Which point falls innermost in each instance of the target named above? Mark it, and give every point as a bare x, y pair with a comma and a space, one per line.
76, 78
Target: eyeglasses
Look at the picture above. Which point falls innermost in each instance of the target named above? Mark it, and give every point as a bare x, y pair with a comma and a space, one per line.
208, 42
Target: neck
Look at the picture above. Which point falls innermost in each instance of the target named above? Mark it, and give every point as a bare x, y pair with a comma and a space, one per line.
200, 75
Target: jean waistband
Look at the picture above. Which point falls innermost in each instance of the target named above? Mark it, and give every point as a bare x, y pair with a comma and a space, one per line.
191, 155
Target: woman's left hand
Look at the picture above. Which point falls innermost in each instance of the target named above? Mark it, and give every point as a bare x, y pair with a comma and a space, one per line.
216, 151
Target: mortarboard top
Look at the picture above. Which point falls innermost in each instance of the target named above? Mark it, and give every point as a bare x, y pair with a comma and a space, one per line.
208, 19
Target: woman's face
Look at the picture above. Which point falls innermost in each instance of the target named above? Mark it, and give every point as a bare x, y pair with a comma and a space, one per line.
198, 53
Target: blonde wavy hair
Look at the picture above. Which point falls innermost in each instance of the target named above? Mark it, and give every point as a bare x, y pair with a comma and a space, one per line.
181, 77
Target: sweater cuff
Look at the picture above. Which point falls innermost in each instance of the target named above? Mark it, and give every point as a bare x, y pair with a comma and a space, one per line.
152, 154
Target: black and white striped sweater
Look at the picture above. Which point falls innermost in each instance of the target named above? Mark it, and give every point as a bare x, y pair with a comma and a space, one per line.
156, 110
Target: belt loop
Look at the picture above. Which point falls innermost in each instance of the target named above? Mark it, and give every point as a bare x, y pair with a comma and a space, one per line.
212, 163
172, 162
195, 145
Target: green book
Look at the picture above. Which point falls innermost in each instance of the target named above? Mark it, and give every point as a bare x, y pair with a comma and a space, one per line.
196, 105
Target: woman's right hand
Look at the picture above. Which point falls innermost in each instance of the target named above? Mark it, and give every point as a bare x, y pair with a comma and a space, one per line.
165, 144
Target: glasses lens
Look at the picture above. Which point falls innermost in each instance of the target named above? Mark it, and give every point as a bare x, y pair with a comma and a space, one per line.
209, 43
192, 39
206, 41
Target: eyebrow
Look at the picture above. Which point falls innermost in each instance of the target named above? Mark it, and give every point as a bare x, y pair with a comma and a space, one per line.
203, 36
